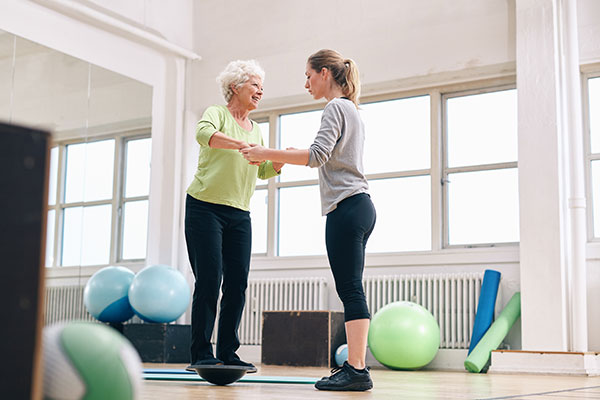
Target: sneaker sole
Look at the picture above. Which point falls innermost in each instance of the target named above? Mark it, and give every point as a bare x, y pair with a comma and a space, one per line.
357, 387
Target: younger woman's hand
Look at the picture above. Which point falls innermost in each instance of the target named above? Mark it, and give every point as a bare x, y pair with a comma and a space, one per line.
254, 153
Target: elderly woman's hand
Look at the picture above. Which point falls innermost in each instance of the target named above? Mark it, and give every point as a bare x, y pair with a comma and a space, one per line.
254, 153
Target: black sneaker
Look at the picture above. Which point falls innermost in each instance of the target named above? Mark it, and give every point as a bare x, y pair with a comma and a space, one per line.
346, 377
208, 361
251, 367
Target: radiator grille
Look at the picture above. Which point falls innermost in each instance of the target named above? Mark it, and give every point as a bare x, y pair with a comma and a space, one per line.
65, 303
451, 298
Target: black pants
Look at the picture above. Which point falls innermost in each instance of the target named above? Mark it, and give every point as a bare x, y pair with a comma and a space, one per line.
219, 242
347, 230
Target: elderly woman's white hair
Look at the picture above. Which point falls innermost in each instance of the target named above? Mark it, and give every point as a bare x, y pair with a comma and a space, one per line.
236, 73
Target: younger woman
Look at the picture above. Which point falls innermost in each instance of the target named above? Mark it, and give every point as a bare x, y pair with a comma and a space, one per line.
338, 152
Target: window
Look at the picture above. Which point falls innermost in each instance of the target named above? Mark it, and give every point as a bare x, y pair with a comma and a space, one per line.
593, 104
134, 202
259, 204
259, 217
98, 201
480, 173
301, 226
397, 164
441, 166
298, 130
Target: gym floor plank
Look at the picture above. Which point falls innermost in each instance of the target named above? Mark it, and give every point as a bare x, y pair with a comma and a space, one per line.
388, 385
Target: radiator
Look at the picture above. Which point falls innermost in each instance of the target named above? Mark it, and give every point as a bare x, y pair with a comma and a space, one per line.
451, 298
64, 303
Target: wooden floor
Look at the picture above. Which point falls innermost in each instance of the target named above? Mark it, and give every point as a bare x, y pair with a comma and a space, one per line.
387, 385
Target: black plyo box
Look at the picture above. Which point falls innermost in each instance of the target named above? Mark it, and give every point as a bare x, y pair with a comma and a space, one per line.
24, 163
160, 343
302, 338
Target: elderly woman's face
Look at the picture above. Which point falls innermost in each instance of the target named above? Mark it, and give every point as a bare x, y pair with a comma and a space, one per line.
250, 92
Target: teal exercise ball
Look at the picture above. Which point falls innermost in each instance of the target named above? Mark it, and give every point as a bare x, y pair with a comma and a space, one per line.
159, 293
105, 294
89, 361
404, 335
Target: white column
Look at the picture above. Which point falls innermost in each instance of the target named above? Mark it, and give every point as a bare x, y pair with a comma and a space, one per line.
573, 130
552, 203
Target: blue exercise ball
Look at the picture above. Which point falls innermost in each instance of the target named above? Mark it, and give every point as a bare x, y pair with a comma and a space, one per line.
341, 355
105, 294
159, 293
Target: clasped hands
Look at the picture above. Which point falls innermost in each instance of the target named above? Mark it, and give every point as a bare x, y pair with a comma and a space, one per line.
254, 153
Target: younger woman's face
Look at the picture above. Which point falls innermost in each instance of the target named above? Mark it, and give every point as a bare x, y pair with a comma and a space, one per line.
316, 82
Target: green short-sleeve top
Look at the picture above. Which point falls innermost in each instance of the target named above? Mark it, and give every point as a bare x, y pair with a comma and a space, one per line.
225, 176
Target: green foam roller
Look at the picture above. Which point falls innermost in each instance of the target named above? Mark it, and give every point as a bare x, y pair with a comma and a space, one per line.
480, 355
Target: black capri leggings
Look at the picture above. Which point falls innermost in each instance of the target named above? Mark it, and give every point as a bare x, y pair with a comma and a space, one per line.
347, 230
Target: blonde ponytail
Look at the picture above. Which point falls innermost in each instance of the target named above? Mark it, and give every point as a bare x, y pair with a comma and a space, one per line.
351, 87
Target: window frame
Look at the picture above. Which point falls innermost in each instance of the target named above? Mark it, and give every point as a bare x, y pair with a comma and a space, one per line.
446, 170
438, 170
117, 201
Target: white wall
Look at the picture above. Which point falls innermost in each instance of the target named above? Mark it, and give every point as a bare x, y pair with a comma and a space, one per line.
389, 40
588, 14
170, 19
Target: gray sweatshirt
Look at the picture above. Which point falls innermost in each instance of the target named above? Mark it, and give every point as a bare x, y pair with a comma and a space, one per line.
338, 153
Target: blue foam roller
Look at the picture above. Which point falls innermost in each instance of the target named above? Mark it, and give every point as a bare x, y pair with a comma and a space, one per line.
485, 308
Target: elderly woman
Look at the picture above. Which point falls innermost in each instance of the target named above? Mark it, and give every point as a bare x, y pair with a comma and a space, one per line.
217, 218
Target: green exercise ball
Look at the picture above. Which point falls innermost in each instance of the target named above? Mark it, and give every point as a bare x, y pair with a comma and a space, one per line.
404, 335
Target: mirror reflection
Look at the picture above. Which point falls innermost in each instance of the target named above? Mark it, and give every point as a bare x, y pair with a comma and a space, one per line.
100, 156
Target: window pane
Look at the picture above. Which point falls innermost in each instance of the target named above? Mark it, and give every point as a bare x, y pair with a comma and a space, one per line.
398, 135
264, 129
52, 178
86, 235
137, 175
258, 213
135, 229
483, 207
482, 128
50, 238
403, 208
299, 131
596, 196
301, 226
90, 171
594, 93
